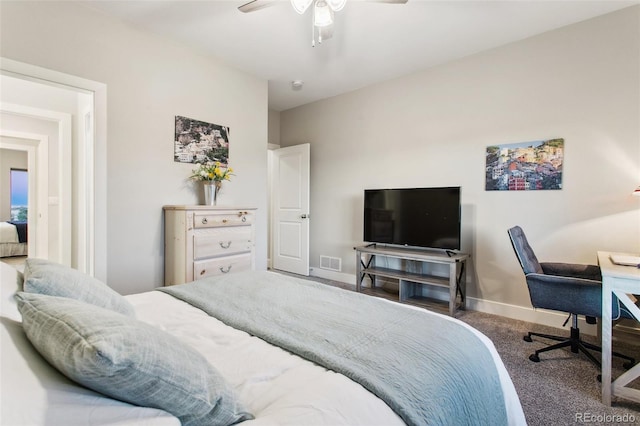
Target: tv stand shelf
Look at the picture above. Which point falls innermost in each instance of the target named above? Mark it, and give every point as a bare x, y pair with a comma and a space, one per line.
413, 274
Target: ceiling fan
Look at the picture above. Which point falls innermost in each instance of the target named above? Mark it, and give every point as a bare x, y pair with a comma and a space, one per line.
322, 16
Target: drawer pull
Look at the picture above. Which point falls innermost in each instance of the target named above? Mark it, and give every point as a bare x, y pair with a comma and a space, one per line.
244, 218
204, 221
203, 271
224, 271
225, 246
224, 220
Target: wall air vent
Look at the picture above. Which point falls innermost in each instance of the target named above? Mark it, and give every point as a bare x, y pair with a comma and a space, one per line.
331, 263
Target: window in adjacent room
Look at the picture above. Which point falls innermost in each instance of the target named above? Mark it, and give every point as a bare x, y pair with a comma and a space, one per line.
19, 195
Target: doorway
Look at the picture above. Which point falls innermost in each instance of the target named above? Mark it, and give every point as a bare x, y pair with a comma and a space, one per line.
35, 147
80, 197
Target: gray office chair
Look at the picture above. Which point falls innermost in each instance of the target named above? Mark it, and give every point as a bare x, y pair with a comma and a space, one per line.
565, 287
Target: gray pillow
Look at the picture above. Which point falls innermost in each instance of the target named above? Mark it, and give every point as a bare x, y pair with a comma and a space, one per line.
128, 360
46, 277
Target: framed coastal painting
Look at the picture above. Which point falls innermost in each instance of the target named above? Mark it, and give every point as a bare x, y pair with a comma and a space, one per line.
199, 142
525, 166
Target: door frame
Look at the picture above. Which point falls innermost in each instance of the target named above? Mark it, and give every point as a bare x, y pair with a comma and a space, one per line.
63, 200
37, 148
95, 157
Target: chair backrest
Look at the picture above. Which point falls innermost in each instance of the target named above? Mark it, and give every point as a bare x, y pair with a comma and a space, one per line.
568, 297
524, 252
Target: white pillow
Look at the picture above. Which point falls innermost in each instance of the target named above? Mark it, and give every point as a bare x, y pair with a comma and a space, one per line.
35, 393
129, 360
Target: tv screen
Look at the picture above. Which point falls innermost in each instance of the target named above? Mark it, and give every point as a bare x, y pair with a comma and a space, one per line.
419, 217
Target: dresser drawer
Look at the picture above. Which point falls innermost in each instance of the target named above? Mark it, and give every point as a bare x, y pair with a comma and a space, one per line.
211, 242
209, 220
221, 265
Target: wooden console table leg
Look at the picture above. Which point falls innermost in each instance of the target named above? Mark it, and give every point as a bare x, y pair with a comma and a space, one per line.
453, 287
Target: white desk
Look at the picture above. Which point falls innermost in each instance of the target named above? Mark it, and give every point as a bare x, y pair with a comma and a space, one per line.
621, 281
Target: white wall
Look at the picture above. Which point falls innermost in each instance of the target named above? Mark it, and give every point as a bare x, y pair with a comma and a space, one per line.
9, 159
580, 83
149, 81
274, 127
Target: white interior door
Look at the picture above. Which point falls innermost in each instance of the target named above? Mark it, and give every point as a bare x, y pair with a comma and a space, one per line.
290, 201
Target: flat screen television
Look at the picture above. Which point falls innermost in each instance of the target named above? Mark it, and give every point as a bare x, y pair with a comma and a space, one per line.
416, 217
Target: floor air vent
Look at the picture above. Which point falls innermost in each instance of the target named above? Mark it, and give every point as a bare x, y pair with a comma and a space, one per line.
331, 263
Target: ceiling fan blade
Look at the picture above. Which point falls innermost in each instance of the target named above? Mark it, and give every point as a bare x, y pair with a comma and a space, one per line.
254, 5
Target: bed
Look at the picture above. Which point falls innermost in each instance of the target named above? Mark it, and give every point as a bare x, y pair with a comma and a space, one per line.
13, 239
266, 384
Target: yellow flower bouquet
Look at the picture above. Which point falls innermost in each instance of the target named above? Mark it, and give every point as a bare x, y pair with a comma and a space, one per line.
211, 171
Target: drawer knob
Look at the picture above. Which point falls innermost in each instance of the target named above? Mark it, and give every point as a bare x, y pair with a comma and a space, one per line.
224, 271
204, 221
225, 245
224, 220
203, 271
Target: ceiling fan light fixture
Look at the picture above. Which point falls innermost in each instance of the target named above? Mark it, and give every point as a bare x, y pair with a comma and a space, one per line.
336, 5
322, 14
301, 6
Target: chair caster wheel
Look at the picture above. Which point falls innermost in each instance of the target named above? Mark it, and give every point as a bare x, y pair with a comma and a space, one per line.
627, 365
534, 358
527, 339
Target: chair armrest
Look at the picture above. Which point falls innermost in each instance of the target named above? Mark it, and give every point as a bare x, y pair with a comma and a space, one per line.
572, 282
589, 272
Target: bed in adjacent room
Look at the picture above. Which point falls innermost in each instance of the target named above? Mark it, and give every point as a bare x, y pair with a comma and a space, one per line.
13, 239
255, 347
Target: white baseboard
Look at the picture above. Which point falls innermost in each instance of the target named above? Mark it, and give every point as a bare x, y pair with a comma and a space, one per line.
528, 314
522, 313
333, 275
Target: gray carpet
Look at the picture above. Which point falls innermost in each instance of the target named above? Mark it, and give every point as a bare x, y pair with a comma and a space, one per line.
561, 389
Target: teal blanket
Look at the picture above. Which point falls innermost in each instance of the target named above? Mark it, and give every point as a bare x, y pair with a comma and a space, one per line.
427, 368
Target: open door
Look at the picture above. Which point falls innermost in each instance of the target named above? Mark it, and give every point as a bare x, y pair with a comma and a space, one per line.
290, 201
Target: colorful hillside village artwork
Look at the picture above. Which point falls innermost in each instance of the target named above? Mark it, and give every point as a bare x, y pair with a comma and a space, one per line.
200, 142
525, 166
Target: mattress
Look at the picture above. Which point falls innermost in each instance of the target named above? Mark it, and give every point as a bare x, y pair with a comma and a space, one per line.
13, 249
8, 233
10, 244
275, 385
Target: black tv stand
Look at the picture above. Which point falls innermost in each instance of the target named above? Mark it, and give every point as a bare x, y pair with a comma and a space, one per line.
411, 274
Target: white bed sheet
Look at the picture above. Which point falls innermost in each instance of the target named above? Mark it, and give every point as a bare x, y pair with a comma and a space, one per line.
8, 233
276, 386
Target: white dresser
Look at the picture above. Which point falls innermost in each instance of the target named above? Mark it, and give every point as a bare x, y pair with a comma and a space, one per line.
202, 241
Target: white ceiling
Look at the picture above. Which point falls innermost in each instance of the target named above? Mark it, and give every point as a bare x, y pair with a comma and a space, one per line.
372, 42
